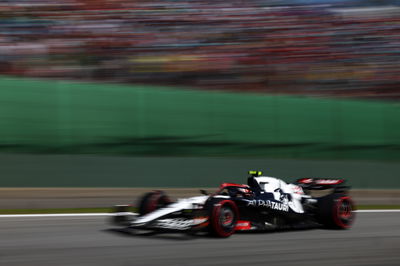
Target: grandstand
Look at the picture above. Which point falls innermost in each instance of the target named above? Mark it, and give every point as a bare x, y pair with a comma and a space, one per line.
263, 46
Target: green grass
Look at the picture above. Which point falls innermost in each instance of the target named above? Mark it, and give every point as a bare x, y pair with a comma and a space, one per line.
105, 210
58, 210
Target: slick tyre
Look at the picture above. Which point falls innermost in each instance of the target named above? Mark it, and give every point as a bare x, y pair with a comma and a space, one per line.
152, 201
224, 215
336, 211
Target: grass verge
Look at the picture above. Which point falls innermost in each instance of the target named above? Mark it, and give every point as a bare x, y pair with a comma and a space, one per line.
50, 211
105, 210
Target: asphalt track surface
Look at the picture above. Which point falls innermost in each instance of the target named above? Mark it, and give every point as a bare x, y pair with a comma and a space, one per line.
374, 240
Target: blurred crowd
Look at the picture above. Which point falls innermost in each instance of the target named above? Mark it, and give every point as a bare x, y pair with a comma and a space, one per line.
252, 45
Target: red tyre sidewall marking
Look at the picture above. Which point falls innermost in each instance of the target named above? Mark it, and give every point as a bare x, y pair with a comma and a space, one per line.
336, 212
215, 222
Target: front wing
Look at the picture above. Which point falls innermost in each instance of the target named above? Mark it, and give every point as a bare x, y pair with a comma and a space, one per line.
187, 220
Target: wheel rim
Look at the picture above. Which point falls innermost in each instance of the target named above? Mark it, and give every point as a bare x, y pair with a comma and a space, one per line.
345, 210
226, 218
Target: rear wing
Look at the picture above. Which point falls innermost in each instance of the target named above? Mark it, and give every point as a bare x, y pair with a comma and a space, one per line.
338, 185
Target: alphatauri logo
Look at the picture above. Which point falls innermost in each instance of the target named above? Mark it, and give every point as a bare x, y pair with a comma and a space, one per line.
269, 204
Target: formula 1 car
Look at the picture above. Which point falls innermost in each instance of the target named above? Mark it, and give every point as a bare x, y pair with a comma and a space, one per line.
264, 203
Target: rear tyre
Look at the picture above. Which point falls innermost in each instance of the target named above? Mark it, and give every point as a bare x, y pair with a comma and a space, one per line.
224, 215
336, 211
152, 201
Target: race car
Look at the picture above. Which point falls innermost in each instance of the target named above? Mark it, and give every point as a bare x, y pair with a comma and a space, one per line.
261, 204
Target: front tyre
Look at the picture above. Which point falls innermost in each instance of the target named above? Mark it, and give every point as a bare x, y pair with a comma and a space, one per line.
336, 211
152, 201
224, 215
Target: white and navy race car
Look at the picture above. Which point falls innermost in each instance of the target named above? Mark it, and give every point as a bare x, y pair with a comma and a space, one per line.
264, 203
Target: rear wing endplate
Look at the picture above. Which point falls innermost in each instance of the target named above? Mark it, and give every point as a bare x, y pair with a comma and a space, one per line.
323, 183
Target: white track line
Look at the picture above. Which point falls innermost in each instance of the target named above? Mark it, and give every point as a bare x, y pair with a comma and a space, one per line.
112, 214
371, 211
